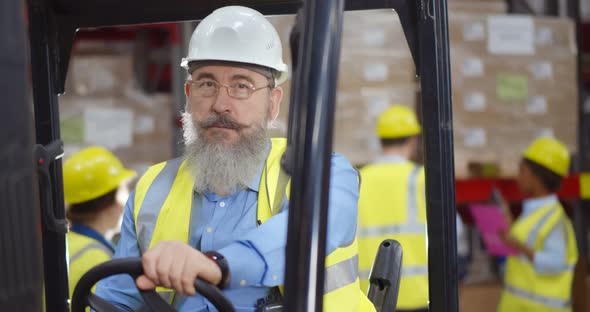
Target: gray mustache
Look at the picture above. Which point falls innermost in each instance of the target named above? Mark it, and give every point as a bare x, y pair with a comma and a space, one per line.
222, 121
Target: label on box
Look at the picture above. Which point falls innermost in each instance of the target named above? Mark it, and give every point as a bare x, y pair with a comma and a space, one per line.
537, 105
473, 31
543, 36
375, 72
377, 104
511, 35
542, 70
472, 67
512, 87
474, 102
144, 124
546, 132
108, 126
374, 37
474, 137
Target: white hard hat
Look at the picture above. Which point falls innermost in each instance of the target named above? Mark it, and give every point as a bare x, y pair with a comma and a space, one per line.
237, 34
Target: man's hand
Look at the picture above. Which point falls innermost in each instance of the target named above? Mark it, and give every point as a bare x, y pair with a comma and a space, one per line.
176, 265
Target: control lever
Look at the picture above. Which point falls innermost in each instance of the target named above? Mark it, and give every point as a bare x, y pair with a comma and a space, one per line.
385, 276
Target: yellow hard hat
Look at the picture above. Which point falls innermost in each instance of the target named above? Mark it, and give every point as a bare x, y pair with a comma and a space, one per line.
397, 122
549, 153
91, 173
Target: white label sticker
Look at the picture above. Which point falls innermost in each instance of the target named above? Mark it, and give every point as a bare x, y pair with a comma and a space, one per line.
377, 104
474, 137
542, 70
474, 102
543, 36
472, 67
473, 31
546, 132
511, 35
374, 37
537, 105
109, 127
375, 72
144, 124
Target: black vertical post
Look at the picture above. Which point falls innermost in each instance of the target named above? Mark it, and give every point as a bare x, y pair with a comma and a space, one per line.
579, 206
44, 78
435, 79
552, 7
20, 236
318, 72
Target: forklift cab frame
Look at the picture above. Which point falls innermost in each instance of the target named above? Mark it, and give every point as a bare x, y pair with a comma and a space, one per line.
52, 27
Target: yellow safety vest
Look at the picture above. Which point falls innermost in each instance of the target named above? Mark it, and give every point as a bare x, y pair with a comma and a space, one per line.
392, 206
167, 216
526, 290
84, 253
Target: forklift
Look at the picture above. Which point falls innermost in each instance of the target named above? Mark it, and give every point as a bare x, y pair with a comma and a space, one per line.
33, 253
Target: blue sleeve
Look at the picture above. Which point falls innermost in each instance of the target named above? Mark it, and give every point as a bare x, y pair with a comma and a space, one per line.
259, 258
120, 290
551, 259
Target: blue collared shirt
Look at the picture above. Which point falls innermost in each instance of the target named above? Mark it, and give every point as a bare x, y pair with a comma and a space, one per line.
256, 254
551, 259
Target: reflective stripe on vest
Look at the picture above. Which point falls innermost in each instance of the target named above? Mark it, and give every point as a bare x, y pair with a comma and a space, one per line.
90, 246
413, 270
341, 274
546, 301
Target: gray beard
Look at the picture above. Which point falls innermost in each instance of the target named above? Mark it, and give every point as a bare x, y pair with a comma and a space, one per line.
223, 168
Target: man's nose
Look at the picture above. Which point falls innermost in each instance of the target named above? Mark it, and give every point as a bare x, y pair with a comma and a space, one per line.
223, 102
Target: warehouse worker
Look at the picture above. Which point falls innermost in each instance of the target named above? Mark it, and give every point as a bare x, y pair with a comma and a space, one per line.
218, 212
392, 206
93, 177
539, 278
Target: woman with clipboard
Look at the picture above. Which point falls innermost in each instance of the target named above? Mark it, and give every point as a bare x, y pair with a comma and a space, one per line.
539, 277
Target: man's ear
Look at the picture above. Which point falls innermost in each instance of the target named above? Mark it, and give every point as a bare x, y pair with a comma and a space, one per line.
187, 89
276, 95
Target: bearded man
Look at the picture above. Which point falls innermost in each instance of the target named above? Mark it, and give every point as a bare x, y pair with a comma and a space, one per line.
218, 213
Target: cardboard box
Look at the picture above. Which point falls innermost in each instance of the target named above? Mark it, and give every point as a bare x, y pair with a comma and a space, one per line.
103, 106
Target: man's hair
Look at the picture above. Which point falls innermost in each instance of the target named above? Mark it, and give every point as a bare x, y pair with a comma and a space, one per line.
88, 210
550, 180
395, 142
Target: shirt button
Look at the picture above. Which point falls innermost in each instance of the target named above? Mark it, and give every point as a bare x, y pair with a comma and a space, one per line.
209, 230
222, 204
243, 283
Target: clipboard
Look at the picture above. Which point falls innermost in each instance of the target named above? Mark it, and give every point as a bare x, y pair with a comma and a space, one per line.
490, 221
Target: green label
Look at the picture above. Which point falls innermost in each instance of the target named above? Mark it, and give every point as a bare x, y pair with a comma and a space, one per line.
512, 87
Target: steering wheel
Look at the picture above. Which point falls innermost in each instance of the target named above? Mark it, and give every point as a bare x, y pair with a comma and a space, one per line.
84, 297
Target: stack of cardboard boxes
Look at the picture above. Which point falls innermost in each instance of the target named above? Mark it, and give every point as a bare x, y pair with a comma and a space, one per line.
514, 79
376, 70
103, 106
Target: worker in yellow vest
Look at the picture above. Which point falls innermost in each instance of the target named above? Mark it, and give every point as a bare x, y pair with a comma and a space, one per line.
220, 212
93, 179
539, 278
392, 206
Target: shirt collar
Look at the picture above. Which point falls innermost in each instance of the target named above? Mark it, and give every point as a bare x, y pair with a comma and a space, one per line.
90, 232
530, 205
391, 159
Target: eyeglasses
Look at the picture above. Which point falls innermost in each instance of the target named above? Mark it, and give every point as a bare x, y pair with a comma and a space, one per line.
208, 88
